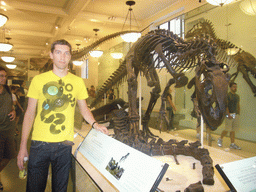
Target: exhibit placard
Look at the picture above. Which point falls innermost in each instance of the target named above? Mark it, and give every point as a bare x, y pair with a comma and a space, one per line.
125, 167
239, 175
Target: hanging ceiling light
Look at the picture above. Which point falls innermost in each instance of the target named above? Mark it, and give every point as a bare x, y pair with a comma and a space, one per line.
96, 53
130, 37
219, 2
6, 46
11, 66
78, 63
8, 59
248, 7
3, 19
116, 55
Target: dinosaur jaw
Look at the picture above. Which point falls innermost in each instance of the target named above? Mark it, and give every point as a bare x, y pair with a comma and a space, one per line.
211, 94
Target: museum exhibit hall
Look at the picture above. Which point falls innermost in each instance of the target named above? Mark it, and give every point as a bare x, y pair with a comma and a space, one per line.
173, 81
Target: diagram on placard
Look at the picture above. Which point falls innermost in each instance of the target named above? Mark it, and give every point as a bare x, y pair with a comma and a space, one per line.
114, 167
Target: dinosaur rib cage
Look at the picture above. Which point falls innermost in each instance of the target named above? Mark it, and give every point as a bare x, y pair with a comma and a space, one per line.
181, 55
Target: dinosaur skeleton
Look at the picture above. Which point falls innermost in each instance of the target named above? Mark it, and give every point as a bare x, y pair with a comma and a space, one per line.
244, 61
161, 47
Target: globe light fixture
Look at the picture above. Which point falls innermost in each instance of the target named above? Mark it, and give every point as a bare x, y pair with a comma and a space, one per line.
78, 63
248, 7
219, 2
8, 59
130, 37
96, 53
11, 66
3, 19
116, 55
6, 46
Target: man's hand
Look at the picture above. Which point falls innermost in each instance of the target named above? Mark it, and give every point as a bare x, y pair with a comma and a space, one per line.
12, 115
101, 128
20, 158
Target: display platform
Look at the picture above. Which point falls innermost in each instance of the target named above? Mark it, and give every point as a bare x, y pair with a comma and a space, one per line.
177, 177
125, 167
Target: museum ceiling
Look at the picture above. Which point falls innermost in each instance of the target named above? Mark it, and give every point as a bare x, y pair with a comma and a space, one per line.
32, 24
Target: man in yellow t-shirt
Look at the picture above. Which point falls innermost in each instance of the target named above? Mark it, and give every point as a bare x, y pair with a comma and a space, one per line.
51, 106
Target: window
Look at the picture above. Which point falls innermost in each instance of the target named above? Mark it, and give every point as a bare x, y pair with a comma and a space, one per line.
85, 69
164, 26
176, 26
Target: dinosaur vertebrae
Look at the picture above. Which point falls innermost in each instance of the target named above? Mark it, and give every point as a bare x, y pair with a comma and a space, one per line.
173, 147
85, 51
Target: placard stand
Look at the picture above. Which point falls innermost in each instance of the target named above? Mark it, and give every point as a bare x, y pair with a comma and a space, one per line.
125, 167
240, 176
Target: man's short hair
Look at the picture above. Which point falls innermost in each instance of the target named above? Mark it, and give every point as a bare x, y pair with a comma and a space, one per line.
231, 84
60, 42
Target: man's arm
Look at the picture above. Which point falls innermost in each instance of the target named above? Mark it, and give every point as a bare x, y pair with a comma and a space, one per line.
87, 115
238, 107
26, 128
18, 104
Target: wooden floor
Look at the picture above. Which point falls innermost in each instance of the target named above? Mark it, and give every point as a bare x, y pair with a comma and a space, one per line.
12, 183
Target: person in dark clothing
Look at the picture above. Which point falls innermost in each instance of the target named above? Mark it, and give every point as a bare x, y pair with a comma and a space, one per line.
111, 95
22, 95
232, 118
170, 107
7, 124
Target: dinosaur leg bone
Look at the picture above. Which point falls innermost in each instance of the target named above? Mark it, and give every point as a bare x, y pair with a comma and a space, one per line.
162, 111
132, 94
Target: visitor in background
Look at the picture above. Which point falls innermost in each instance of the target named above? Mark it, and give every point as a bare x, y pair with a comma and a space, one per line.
92, 92
170, 107
7, 124
18, 108
111, 95
232, 119
22, 94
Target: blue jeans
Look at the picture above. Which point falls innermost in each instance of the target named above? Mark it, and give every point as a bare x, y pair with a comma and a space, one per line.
42, 154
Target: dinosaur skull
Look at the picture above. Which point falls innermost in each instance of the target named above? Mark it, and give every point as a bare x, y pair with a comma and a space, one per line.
211, 88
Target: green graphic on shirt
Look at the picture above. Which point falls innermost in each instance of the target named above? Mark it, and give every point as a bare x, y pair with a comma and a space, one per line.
56, 101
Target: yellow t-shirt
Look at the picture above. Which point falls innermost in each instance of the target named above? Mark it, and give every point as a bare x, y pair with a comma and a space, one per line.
56, 98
